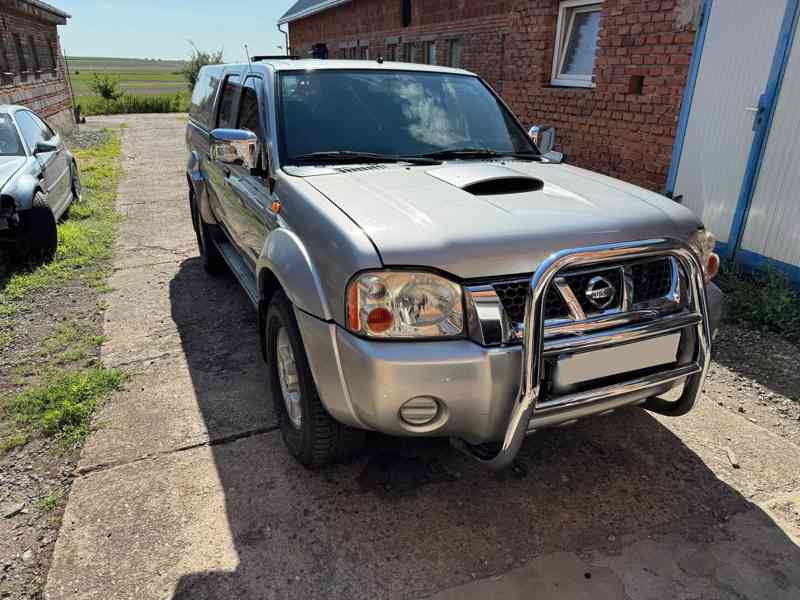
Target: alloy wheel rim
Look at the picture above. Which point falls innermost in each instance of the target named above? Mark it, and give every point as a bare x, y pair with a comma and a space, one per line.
288, 378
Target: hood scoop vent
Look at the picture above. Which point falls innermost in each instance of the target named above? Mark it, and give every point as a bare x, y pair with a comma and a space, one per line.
359, 169
487, 180
499, 187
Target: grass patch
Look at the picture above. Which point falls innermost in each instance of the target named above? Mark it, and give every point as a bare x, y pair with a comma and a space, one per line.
73, 341
135, 104
62, 405
85, 239
52, 501
13, 441
763, 301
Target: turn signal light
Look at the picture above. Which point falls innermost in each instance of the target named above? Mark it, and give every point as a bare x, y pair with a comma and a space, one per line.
379, 320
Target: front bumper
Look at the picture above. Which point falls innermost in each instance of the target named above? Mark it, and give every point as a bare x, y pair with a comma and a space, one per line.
364, 383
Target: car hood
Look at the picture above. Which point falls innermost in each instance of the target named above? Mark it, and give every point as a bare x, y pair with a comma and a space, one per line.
441, 217
9, 165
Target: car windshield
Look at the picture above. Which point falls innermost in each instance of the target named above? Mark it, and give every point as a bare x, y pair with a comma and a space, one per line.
393, 113
9, 140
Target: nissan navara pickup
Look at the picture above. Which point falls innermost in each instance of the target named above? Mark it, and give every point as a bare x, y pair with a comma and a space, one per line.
422, 265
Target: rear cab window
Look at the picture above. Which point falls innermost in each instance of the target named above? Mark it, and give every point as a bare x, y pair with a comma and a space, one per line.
202, 103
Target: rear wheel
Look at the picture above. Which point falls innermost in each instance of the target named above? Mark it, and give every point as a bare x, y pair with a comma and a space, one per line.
40, 230
311, 435
212, 258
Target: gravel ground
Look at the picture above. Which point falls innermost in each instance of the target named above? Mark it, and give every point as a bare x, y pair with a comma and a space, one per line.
86, 138
757, 375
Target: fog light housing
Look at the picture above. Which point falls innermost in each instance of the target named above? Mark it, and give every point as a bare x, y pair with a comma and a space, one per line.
420, 411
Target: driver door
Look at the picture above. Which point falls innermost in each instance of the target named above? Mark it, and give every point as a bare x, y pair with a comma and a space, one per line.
54, 165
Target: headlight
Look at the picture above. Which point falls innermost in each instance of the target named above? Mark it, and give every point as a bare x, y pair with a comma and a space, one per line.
398, 304
703, 242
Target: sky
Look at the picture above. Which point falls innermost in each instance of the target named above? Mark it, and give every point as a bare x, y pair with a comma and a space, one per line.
163, 28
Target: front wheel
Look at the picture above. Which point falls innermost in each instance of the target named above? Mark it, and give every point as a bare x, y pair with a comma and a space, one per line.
310, 434
40, 230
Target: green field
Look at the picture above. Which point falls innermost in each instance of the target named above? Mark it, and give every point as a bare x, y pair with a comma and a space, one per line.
139, 77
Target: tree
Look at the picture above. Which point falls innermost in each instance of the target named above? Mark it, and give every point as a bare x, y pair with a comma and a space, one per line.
106, 86
198, 59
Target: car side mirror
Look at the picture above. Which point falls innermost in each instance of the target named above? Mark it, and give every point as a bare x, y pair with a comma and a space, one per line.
44, 148
235, 147
555, 157
543, 137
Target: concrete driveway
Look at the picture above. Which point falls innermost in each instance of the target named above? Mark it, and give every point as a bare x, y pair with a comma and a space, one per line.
186, 491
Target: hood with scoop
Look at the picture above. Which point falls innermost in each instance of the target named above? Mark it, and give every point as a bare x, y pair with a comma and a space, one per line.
489, 218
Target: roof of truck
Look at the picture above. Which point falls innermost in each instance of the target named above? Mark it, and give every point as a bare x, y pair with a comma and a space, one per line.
312, 64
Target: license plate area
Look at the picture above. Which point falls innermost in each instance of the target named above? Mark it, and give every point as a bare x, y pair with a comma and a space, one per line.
569, 373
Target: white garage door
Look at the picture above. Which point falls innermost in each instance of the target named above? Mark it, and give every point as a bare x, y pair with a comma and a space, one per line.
773, 225
737, 56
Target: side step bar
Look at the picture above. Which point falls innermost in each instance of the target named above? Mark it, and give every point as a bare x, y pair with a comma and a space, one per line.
239, 268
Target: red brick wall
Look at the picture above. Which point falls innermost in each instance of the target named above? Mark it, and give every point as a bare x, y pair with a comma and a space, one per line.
481, 25
511, 43
606, 128
44, 91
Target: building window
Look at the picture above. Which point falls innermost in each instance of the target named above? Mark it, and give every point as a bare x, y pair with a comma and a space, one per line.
454, 53
51, 47
408, 52
23, 64
353, 52
576, 42
34, 53
5, 67
363, 52
343, 53
430, 53
391, 52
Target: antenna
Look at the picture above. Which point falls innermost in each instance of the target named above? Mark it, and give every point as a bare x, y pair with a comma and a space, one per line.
247, 54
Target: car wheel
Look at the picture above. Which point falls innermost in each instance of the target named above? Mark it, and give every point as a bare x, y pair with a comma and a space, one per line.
311, 435
41, 230
212, 258
77, 187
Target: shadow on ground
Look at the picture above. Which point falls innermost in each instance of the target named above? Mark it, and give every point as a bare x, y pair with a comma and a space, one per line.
413, 517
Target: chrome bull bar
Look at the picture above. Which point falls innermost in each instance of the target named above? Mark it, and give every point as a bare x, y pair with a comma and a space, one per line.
527, 415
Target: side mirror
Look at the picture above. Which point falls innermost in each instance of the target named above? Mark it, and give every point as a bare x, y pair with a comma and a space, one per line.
235, 147
555, 157
44, 148
543, 137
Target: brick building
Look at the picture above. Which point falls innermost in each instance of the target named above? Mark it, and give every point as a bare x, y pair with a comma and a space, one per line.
609, 75
32, 66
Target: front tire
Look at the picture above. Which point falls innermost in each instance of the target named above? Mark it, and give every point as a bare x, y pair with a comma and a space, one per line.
310, 434
40, 230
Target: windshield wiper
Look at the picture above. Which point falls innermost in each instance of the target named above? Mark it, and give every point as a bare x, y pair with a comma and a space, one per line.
479, 153
370, 157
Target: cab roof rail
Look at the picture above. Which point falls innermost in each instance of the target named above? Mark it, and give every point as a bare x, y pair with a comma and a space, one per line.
275, 57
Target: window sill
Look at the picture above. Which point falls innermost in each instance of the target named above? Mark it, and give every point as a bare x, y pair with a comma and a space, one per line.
566, 83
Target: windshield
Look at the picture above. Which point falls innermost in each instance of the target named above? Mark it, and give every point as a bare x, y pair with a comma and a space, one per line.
393, 113
9, 140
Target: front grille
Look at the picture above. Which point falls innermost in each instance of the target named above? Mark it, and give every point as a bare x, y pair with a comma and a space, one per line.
580, 283
651, 280
514, 294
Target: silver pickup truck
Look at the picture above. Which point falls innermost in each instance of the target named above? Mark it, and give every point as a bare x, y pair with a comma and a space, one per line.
422, 267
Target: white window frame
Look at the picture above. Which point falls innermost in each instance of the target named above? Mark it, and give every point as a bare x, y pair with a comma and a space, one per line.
566, 21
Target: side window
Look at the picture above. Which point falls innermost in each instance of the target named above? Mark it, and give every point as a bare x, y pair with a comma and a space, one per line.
30, 129
248, 107
202, 101
47, 133
227, 107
